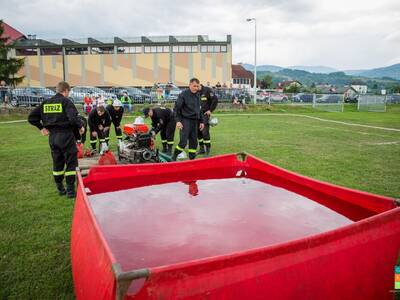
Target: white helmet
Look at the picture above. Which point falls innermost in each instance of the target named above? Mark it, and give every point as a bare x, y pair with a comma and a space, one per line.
213, 122
100, 102
116, 102
138, 121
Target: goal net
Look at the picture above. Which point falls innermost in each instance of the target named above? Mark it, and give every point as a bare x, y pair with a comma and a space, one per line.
328, 102
371, 103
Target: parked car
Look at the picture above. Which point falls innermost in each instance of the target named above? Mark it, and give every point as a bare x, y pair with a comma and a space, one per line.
173, 94
278, 97
268, 96
137, 95
303, 98
30, 96
393, 99
79, 92
351, 98
262, 95
332, 98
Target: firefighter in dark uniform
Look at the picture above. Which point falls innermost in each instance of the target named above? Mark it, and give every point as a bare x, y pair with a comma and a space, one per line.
116, 112
163, 121
188, 118
209, 102
99, 121
58, 117
81, 137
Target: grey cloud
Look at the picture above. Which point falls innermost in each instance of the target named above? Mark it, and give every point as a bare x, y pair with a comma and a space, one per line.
343, 33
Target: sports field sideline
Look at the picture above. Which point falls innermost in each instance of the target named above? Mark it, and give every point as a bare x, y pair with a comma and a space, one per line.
35, 221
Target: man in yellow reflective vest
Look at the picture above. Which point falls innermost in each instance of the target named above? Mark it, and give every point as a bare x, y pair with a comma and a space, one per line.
126, 102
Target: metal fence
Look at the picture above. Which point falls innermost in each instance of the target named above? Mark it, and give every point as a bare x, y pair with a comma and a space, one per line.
393, 99
32, 96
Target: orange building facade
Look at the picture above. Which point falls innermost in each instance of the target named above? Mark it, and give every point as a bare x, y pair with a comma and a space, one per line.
139, 62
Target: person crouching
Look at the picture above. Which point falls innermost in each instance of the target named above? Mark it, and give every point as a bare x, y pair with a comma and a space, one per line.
99, 121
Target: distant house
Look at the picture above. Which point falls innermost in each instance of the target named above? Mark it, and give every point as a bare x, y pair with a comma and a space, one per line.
286, 84
361, 89
350, 93
326, 88
12, 34
241, 78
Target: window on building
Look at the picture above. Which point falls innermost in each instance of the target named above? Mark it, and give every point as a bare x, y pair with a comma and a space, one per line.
195, 49
153, 49
223, 48
50, 51
203, 48
129, 49
181, 48
107, 50
147, 49
101, 50
26, 52
78, 50
166, 49
175, 49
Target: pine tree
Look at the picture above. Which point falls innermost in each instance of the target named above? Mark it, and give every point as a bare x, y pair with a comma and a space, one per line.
9, 66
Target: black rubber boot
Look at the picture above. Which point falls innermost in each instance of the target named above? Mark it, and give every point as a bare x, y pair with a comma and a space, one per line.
71, 191
176, 153
208, 149
164, 148
201, 149
169, 149
61, 189
192, 156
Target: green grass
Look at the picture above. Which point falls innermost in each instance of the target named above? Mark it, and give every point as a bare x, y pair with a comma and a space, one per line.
35, 222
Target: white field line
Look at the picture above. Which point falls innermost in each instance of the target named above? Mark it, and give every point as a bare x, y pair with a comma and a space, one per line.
358, 132
384, 143
314, 118
15, 121
278, 114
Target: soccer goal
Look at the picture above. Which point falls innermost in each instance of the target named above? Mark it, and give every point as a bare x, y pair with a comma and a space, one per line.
371, 103
328, 102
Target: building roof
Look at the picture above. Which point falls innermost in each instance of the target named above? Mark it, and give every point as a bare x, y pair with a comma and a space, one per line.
122, 41
284, 84
12, 33
347, 89
238, 71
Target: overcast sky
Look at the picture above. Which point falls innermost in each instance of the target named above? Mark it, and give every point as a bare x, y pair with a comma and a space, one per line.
344, 34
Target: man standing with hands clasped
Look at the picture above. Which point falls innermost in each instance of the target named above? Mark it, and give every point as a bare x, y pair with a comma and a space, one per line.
209, 102
188, 118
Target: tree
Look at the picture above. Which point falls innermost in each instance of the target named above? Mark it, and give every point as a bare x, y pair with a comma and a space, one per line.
357, 81
395, 89
293, 88
266, 82
9, 66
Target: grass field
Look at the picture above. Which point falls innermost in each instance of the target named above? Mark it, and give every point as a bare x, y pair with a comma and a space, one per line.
35, 222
